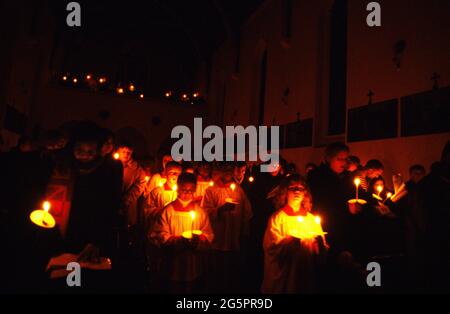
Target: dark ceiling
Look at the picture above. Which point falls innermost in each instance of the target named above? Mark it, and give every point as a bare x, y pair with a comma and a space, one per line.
158, 43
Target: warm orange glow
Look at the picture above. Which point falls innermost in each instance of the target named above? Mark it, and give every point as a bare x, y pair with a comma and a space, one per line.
188, 234
357, 181
141, 96
175, 188
102, 80
120, 90
131, 88
168, 94
147, 178
46, 206
64, 78
161, 183
42, 217
307, 227
184, 96
389, 195
232, 186
75, 80
195, 95
251, 179
116, 156
88, 77
192, 214
379, 189
211, 183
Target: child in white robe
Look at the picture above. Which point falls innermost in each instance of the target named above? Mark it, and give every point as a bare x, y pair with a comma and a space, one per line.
289, 262
185, 263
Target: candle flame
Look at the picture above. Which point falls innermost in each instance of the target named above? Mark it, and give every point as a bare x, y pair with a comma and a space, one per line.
64, 78
357, 181
120, 90
88, 77
232, 186
168, 94
211, 183
46, 206
192, 213
379, 189
102, 80
251, 179
141, 96
131, 88
147, 178
318, 220
116, 156
389, 195
75, 80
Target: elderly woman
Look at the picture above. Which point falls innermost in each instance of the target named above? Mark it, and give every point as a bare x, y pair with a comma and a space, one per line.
292, 240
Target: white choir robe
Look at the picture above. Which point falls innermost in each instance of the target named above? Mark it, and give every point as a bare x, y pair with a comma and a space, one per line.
286, 271
186, 265
156, 181
159, 198
231, 225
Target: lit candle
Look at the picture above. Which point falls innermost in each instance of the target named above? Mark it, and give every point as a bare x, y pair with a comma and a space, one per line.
116, 156
388, 196
195, 95
357, 182
42, 217
379, 189
192, 213
64, 78
75, 80
251, 179
168, 94
141, 96
88, 77
102, 80
131, 88
211, 183
120, 90
174, 192
147, 178
232, 186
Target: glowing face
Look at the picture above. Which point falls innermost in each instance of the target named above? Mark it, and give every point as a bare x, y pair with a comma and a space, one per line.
295, 193
172, 175
374, 173
186, 192
125, 154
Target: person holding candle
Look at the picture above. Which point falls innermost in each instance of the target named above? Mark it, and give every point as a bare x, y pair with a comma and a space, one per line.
163, 194
204, 179
230, 213
159, 177
184, 230
289, 264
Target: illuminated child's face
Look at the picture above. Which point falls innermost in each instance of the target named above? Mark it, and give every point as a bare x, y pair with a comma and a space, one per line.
295, 193
125, 154
186, 192
172, 174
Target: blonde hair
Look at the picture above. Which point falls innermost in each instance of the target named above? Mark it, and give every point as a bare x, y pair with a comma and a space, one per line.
279, 195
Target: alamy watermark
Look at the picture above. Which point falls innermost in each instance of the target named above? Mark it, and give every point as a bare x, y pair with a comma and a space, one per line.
213, 150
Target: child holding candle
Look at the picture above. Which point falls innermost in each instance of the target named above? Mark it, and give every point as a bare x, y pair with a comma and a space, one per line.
289, 263
184, 229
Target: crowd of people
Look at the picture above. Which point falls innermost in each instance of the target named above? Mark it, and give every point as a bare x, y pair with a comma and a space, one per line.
218, 227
